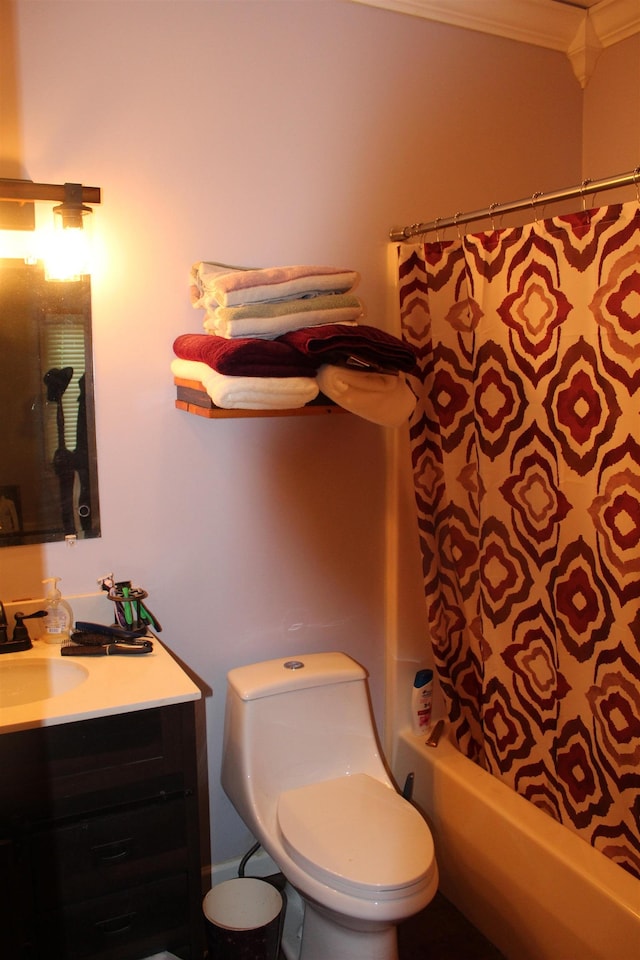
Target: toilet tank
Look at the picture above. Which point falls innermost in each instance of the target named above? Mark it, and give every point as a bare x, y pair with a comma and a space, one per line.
294, 721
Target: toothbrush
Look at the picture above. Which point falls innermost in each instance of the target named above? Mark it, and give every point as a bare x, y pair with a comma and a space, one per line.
125, 588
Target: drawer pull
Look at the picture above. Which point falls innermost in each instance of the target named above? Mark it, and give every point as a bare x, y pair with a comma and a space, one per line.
116, 925
112, 852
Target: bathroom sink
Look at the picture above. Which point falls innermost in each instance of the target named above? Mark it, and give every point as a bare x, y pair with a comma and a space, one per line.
28, 680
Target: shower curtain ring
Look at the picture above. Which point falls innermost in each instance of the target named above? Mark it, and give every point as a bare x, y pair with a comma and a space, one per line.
585, 184
435, 227
636, 180
457, 225
534, 197
492, 207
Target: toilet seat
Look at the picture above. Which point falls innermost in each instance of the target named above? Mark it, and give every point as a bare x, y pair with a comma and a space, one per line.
358, 835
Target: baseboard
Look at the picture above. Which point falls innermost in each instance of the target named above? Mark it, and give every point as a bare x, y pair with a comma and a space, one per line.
259, 865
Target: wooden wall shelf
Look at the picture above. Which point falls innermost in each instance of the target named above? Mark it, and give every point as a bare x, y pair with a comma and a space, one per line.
193, 398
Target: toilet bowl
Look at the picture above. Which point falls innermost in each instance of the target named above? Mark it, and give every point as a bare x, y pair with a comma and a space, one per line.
302, 766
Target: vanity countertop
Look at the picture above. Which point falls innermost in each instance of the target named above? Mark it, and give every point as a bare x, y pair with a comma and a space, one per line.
112, 685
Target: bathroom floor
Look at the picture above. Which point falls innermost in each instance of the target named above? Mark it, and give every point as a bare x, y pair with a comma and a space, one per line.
441, 932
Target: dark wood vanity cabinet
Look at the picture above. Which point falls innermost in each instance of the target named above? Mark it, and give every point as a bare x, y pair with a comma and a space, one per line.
99, 839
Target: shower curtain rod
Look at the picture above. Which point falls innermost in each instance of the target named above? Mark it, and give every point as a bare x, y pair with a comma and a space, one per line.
538, 199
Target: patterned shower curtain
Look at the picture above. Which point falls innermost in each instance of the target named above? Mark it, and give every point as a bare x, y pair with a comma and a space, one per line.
525, 446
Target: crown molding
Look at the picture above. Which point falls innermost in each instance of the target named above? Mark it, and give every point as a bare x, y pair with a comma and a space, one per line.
615, 20
544, 23
580, 33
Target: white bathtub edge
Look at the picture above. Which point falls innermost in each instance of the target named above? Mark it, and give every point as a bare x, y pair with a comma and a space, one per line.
536, 890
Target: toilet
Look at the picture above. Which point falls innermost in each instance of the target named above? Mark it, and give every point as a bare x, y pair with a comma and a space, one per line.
302, 766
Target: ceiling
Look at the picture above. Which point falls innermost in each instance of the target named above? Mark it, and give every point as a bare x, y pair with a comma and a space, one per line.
579, 28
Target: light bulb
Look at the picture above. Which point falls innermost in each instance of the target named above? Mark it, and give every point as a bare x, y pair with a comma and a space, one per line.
66, 254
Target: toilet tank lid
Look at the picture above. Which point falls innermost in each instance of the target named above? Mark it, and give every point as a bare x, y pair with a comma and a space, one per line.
286, 674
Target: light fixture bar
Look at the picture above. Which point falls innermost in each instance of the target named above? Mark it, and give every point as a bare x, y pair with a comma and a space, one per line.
27, 190
17, 197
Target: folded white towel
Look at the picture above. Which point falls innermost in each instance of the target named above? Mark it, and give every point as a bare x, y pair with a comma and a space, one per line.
248, 393
266, 321
382, 398
191, 370
221, 285
201, 280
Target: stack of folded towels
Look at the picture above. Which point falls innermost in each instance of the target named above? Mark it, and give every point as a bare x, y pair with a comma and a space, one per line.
277, 336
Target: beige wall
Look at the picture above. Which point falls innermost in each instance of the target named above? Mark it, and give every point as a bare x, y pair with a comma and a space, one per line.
260, 133
612, 113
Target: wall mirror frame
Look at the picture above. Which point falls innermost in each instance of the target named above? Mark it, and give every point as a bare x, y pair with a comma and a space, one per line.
48, 463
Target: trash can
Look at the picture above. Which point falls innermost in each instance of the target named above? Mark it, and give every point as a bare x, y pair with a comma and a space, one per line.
243, 920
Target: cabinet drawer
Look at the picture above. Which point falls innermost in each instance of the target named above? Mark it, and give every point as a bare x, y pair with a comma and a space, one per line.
91, 764
98, 854
123, 926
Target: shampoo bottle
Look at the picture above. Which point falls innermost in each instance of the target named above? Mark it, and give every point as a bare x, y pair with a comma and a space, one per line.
59, 619
421, 700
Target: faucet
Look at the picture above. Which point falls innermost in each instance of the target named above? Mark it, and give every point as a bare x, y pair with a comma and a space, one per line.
20, 639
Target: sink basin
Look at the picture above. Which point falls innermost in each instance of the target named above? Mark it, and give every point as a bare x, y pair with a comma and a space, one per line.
25, 681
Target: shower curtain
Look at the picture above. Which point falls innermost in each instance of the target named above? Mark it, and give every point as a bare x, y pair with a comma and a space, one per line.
525, 445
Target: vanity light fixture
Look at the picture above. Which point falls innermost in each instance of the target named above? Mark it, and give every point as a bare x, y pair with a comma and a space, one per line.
25, 192
66, 257
72, 209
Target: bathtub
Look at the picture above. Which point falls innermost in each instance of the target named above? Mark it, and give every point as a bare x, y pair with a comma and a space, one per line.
535, 889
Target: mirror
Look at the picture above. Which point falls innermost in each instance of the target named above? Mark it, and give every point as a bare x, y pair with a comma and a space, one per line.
48, 465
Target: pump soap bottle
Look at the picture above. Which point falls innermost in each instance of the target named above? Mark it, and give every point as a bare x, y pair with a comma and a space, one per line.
59, 619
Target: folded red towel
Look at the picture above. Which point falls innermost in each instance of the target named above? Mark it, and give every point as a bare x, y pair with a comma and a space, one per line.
244, 357
360, 347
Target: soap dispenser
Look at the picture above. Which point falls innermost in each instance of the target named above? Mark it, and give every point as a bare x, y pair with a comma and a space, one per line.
59, 621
